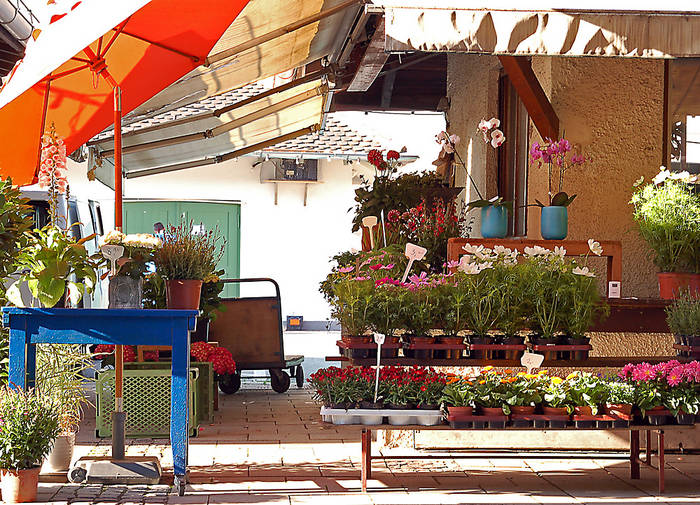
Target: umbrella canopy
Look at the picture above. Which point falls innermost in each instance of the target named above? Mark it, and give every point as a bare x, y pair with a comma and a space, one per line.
69, 72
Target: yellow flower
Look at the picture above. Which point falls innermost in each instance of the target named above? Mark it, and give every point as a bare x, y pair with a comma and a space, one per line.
531, 376
521, 374
487, 368
572, 375
543, 372
557, 380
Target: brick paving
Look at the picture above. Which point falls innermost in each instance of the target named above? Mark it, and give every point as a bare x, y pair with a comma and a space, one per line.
264, 447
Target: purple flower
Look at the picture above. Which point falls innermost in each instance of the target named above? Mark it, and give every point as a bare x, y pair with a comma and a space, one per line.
344, 270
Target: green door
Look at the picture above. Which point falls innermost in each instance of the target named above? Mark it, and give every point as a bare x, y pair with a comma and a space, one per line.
140, 216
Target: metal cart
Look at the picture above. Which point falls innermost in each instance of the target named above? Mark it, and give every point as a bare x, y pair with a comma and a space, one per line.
251, 328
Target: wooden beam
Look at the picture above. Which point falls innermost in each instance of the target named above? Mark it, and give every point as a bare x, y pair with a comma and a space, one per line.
388, 90
372, 61
533, 96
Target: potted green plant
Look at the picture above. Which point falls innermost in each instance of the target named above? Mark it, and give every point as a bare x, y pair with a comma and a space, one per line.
510, 301
385, 314
351, 306
458, 396
491, 393
58, 374
126, 284
418, 316
556, 401
667, 212
453, 310
30, 424
476, 272
555, 154
55, 267
210, 304
619, 398
186, 258
524, 392
586, 392
683, 318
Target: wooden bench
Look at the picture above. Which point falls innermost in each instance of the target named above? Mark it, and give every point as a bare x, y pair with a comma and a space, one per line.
634, 453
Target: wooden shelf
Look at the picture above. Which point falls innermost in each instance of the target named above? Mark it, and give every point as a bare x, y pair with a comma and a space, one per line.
592, 362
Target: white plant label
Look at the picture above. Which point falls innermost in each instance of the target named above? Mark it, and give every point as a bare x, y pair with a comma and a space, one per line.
370, 222
531, 360
379, 340
413, 253
614, 289
383, 227
112, 253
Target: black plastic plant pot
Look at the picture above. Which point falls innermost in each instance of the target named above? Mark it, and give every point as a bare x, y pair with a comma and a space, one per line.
371, 405
658, 420
389, 353
604, 425
577, 355
548, 355
428, 407
539, 423
686, 419
497, 425
359, 353
620, 423
557, 424
371, 353
584, 424
461, 425
480, 425
422, 353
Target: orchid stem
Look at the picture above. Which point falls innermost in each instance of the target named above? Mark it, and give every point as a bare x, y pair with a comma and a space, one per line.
454, 148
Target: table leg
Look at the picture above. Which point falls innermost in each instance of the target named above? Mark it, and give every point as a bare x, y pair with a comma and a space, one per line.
634, 454
662, 461
647, 454
366, 457
31, 365
17, 373
179, 404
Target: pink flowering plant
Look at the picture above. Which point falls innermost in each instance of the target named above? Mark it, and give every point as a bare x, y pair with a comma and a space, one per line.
556, 154
670, 384
52, 169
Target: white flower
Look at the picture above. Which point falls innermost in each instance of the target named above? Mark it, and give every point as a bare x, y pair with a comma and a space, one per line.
536, 251
500, 250
497, 138
583, 271
484, 125
494, 122
473, 249
560, 251
143, 240
683, 176
467, 267
595, 247
114, 237
638, 182
484, 266
661, 176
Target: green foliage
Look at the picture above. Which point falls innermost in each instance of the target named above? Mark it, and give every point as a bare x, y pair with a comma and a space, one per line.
419, 310
55, 265
483, 310
509, 298
619, 392
555, 393
210, 302
154, 292
58, 375
15, 221
585, 390
459, 392
385, 310
385, 194
30, 424
525, 390
580, 305
352, 304
668, 219
453, 307
683, 316
189, 256
490, 391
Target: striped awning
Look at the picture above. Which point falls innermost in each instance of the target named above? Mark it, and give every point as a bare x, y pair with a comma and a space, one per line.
565, 28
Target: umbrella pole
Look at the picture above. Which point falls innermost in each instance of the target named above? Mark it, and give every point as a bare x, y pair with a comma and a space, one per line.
118, 416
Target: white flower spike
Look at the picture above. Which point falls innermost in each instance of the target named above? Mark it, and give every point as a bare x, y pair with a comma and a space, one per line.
595, 247
583, 271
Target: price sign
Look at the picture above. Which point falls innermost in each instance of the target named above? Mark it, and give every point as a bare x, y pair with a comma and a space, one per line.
370, 222
531, 360
112, 253
413, 253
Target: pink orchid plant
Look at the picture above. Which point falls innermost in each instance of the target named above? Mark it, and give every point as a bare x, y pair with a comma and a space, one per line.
556, 154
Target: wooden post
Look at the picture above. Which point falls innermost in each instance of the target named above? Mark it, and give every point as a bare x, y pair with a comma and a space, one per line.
366, 465
634, 454
662, 461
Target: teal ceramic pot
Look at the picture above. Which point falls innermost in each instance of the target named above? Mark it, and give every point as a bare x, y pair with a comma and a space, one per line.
554, 224
494, 221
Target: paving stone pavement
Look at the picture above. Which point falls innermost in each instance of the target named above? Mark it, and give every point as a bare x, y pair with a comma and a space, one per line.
269, 448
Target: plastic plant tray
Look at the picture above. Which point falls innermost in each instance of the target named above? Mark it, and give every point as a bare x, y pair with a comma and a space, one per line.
370, 345
561, 347
497, 347
436, 346
375, 417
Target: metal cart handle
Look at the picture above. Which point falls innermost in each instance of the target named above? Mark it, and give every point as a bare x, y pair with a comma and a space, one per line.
256, 279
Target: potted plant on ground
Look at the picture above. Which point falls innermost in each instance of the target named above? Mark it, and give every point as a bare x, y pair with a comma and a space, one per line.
683, 318
30, 424
56, 267
555, 154
667, 212
58, 374
126, 285
186, 258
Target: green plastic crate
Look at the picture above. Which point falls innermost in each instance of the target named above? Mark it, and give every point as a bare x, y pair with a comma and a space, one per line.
146, 402
203, 383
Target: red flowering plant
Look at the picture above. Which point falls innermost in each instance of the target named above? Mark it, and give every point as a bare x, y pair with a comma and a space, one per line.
430, 388
670, 384
221, 358
105, 352
339, 387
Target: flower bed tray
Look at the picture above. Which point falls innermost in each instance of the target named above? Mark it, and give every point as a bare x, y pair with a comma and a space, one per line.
561, 347
692, 351
539, 420
435, 346
478, 422
375, 417
497, 347
600, 421
659, 417
367, 345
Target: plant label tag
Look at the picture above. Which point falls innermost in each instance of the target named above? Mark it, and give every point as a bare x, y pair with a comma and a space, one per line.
112, 253
379, 338
413, 253
614, 289
370, 222
531, 360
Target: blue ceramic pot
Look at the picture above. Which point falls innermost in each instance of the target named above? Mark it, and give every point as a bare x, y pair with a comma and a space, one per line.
494, 221
554, 224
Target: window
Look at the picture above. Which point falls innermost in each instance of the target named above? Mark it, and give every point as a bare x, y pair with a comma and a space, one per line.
682, 113
513, 156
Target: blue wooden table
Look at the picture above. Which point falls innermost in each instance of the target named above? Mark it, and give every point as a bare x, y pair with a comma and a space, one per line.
30, 326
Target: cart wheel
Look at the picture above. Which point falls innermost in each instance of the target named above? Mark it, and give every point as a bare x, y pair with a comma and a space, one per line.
229, 384
300, 376
77, 475
180, 485
279, 380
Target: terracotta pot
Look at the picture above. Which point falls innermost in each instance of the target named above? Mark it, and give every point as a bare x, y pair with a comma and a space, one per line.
460, 411
449, 353
554, 411
615, 409
583, 410
522, 410
61, 454
356, 339
19, 486
672, 283
491, 411
183, 293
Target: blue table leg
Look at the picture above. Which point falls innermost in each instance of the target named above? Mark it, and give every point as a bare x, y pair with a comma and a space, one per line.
18, 357
179, 402
31, 365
